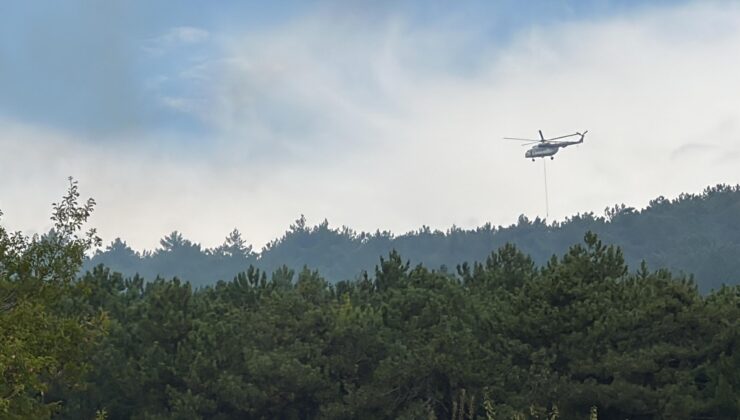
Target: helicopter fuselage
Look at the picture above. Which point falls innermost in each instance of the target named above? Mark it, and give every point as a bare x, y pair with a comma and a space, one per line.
546, 148
541, 150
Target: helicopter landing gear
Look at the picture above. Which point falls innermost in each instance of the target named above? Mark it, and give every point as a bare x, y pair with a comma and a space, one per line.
552, 157
532, 159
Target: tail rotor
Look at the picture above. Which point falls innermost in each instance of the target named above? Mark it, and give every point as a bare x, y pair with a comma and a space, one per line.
582, 135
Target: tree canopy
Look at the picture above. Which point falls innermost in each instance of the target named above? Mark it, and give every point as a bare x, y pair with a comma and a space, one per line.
44, 338
578, 336
498, 339
695, 234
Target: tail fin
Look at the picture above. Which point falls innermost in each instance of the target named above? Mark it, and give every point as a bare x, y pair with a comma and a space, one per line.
582, 136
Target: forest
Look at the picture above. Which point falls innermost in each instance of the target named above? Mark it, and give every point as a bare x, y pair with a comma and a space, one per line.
578, 335
693, 234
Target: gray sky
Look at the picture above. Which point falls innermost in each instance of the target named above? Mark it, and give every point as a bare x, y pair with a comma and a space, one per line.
386, 117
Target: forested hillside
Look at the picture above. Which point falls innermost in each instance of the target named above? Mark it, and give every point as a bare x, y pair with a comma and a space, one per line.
503, 341
579, 338
696, 234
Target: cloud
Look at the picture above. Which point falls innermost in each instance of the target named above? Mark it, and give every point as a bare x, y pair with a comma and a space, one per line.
84, 67
185, 35
692, 149
313, 87
388, 100
135, 185
70, 67
716, 141
396, 123
176, 37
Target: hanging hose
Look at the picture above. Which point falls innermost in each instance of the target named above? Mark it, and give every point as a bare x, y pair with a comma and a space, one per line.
547, 201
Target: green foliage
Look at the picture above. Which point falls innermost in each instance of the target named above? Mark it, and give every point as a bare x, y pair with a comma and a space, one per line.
576, 337
503, 339
44, 340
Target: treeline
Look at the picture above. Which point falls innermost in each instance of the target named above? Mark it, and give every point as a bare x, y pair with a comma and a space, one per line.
503, 339
695, 234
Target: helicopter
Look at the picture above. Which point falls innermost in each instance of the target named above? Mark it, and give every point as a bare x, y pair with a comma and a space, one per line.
547, 147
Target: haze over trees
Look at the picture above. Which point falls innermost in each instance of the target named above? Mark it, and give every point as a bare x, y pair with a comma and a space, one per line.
695, 234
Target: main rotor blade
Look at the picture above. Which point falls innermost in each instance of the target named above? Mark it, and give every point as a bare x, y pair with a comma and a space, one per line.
563, 137
541, 136
518, 139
